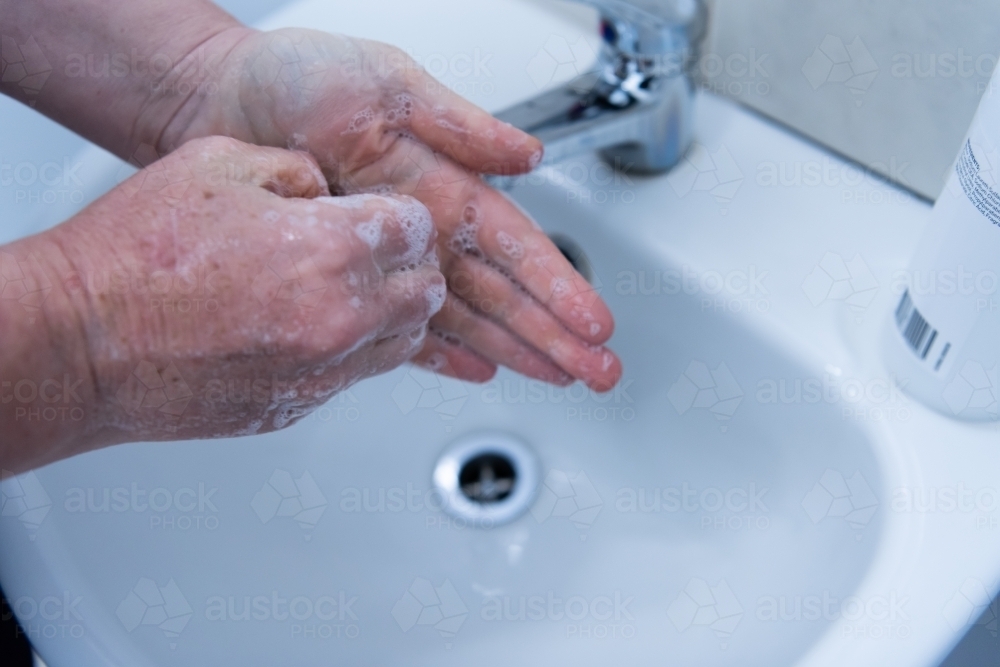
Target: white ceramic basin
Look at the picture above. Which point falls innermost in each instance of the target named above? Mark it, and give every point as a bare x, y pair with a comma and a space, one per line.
779, 537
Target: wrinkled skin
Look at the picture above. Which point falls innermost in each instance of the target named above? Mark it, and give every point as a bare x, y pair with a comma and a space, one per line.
289, 299
376, 122
235, 284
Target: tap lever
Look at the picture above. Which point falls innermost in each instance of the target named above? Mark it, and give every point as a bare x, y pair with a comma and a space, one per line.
635, 105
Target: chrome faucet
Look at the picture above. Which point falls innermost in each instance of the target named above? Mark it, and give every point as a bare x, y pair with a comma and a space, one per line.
635, 105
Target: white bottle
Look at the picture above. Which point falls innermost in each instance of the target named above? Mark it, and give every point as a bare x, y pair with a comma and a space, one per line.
943, 343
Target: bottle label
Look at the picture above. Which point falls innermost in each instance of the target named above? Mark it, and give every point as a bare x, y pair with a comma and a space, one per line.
976, 189
952, 280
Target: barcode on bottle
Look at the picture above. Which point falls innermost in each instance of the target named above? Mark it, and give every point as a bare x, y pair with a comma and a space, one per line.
917, 331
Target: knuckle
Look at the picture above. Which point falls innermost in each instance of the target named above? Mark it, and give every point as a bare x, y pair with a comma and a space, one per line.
356, 327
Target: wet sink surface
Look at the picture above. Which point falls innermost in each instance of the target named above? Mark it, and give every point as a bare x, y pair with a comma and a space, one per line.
679, 516
720, 507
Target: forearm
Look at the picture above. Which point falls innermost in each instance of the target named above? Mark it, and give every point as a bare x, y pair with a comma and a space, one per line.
117, 73
48, 403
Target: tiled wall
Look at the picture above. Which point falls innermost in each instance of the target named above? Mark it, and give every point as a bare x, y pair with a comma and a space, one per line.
892, 84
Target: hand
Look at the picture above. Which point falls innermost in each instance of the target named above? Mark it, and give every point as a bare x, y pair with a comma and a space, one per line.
376, 122
222, 292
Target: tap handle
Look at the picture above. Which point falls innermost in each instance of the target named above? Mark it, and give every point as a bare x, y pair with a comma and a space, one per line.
650, 12
651, 27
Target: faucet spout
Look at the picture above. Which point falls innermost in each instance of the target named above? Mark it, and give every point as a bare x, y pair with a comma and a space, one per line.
635, 106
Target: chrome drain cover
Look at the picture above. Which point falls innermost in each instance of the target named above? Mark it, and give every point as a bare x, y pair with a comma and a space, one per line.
487, 479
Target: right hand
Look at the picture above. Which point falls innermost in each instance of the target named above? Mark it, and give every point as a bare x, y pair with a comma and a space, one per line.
224, 272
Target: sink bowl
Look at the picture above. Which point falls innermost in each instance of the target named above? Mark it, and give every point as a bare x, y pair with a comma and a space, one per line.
668, 511
734, 501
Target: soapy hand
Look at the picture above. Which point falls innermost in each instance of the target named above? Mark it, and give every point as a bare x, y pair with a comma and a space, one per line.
226, 271
378, 123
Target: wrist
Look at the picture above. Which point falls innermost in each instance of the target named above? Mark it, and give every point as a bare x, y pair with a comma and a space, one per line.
49, 394
199, 94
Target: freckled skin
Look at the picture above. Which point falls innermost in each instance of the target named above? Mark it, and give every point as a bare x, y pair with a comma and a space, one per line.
377, 122
301, 300
259, 350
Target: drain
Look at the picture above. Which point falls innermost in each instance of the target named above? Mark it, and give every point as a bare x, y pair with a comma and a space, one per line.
486, 479
574, 254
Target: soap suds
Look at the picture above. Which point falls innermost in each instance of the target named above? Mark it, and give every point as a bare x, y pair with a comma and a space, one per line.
464, 239
354, 201
415, 221
606, 361
371, 231
401, 113
436, 361
510, 246
560, 287
360, 121
435, 297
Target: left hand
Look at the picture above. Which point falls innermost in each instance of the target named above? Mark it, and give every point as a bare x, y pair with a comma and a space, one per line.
377, 122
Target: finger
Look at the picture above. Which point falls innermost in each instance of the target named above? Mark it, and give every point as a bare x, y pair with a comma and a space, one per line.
474, 219
473, 138
379, 356
495, 343
294, 174
226, 161
401, 302
388, 353
444, 354
452, 125
495, 230
397, 228
480, 284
